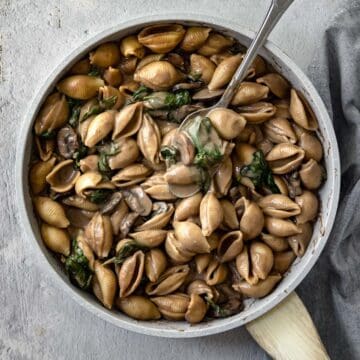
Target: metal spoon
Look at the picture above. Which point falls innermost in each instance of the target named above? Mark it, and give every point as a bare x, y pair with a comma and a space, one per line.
276, 10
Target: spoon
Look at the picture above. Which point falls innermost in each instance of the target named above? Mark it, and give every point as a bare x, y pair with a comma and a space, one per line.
276, 10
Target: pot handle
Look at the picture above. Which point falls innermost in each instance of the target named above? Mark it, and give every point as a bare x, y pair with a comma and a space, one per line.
287, 332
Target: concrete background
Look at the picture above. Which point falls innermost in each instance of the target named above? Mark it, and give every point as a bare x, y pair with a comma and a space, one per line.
37, 320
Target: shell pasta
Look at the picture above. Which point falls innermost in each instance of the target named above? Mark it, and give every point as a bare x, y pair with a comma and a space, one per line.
161, 222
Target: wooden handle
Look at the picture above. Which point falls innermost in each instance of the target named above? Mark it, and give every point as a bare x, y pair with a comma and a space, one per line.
288, 333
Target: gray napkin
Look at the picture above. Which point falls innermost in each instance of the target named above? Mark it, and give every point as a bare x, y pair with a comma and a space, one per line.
331, 292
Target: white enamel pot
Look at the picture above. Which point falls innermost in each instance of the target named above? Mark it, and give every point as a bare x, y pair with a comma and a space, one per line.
329, 193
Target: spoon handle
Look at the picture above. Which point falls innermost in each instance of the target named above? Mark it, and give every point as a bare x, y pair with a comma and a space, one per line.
277, 8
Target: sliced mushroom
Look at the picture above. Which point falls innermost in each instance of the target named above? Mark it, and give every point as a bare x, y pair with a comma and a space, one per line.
67, 142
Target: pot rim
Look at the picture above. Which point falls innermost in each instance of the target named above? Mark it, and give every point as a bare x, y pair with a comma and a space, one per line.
166, 328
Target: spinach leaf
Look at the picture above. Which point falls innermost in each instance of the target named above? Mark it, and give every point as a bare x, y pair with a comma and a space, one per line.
259, 172
96, 109
47, 135
74, 117
80, 153
216, 310
99, 196
109, 102
77, 267
177, 99
106, 150
127, 250
206, 158
94, 71
103, 165
140, 93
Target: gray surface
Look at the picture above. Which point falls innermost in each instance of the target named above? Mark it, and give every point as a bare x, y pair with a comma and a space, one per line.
38, 320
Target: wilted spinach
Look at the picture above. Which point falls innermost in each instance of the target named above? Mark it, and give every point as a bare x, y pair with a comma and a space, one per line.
260, 173
80, 153
77, 267
177, 99
106, 150
94, 71
216, 310
140, 93
99, 196
47, 135
127, 250
74, 107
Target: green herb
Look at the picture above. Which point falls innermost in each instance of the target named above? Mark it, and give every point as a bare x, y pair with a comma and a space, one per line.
96, 109
94, 71
106, 150
80, 153
127, 250
140, 93
103, 165
74, 117
206, 158
48, 134
77, 267
99, 196
205, 180
195, 76
217, 310
168, 152
177, 99
109, 102
73, 102
259, 172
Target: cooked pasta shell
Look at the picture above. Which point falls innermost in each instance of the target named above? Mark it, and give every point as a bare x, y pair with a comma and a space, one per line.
230, 246
202, 67
200, 287
258, 67
281, 184
172, 247
169, 281
132, 174
243, 266
138, 307
127, 153
149, 238
180, 174
214, 44
223, 177
249, 93
172, 307
258, 112
188, 207
215, 272
276, 243
128, 67
224, 72
89, 181
311, 145
155, 264
281, 227
279, 206
78, 218
45, 148
163, 213
130, 46
130, 273
284, 158
105, 55
149, 139
211, 214
190, 237
148, 59
108, 94
262, 259
168, 137
261, 289
83, 127
309, 205
244, 153
82, 87
194, 38
251, 218
63, 176
157, 188
227, 122
98, 234
100, 127
301, 111
104, 284
158, 75
311, 174
278, 130
82, 67
86, 249
283, 261
113, 76
230, 220
57, 240
128, 121
53, 114
197, 309
276, 83
161, 38
300, 242
184, 146
38, 173
50, 212
118, 216
265, 146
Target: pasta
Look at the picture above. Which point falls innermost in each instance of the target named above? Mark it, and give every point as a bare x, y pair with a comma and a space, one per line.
168, 223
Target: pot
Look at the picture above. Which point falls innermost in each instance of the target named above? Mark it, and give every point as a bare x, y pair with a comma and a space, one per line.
329, 193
